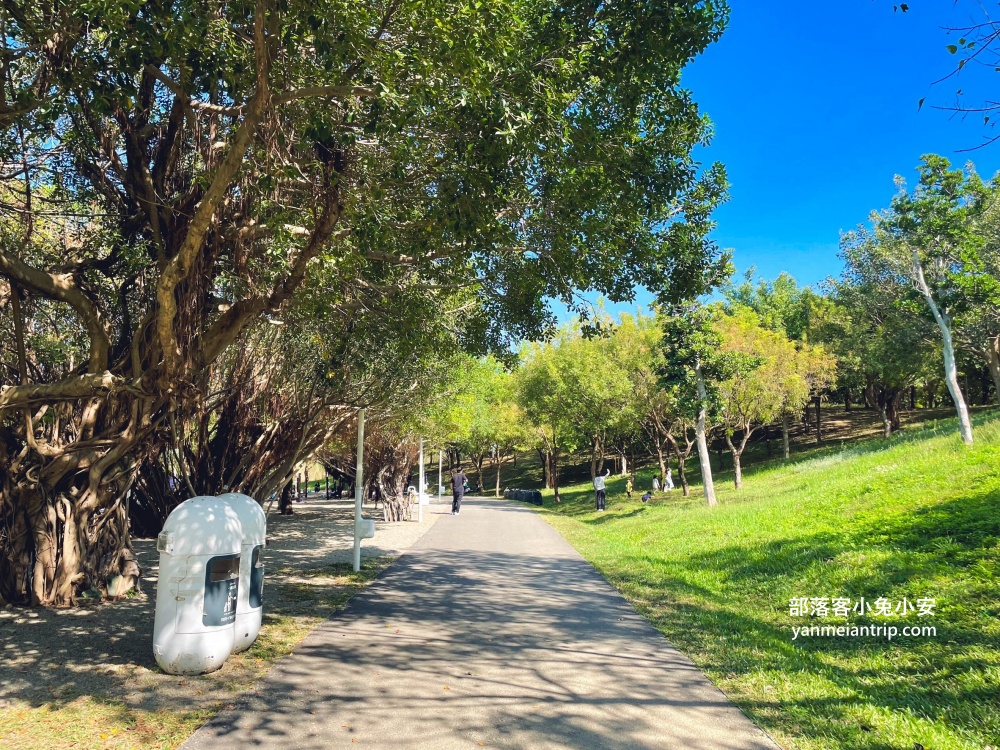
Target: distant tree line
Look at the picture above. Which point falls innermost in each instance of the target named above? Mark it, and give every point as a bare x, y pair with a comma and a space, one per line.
913, 321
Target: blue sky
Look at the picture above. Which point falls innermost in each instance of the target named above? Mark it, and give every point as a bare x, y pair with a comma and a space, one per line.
815, 110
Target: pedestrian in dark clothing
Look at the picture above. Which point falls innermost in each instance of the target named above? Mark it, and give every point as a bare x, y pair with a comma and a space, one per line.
457, 491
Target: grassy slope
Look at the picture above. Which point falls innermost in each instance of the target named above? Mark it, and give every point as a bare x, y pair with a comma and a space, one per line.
918, 516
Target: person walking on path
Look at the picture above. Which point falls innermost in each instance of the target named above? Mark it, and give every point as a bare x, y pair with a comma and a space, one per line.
457, 491
656, 485
669, 484
599, 483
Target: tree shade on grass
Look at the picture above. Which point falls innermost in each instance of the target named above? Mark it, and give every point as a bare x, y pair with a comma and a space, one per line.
914, 517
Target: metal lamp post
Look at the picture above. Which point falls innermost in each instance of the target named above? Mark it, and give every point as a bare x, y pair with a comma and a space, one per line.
358, 490
420, 479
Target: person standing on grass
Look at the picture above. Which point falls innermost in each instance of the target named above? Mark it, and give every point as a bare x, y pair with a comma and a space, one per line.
656, 485
669, 484
457, 491
599, 485
628, 487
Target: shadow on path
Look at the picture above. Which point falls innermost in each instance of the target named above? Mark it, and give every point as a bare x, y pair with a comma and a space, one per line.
491, 632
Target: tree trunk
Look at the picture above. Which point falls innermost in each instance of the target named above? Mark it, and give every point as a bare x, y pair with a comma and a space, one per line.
737, 469
624, 471
993, 361
767, 438
819, 414
885, 411
847, 400
706, 467
738, 455
593, 457
682, 473
948, 348
784, 435
543, 457
661, 460
913, 397
62, 511
499, 465
555, 473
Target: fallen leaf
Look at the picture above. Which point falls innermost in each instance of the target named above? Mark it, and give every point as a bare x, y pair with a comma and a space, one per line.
447, 688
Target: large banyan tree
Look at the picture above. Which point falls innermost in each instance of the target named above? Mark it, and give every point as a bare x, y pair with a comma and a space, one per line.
173, 174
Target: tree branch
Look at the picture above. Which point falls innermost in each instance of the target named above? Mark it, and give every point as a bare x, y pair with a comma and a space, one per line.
68, 389
328, 91
179, 266
63, 288
189, 102
228, 326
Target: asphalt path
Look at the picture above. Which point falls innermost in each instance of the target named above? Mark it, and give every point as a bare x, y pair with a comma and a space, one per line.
491, 631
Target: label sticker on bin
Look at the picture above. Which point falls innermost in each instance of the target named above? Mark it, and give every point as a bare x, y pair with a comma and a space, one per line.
222, 582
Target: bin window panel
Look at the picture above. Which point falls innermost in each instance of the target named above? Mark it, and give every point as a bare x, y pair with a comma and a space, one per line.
256, 593
222, 582
223, 568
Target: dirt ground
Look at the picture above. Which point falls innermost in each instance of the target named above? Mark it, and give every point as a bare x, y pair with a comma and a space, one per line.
50, 658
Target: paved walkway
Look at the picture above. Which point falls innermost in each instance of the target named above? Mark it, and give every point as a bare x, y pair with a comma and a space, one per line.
490, 632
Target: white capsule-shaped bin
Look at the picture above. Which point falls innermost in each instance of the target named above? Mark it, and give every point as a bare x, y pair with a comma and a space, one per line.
249, 605
198, 586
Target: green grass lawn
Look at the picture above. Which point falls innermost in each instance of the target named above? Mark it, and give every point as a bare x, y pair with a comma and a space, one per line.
917, 517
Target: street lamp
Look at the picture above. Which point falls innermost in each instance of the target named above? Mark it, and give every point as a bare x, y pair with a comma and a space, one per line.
420, 479
358, 490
